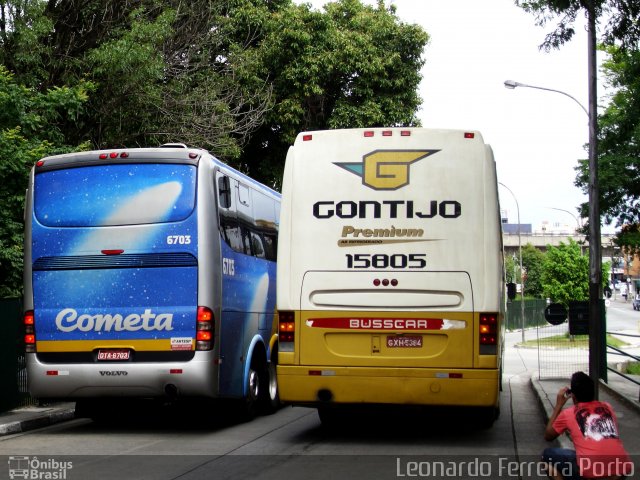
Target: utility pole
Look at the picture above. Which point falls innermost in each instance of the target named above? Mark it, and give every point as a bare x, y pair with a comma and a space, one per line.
596, 327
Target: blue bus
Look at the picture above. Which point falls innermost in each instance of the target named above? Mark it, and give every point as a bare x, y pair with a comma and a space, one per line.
150, 273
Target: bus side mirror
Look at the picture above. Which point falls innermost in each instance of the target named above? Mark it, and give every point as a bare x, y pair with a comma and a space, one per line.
511, 290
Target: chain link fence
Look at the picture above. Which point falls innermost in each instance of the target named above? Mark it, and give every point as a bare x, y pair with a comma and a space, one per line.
533, 314
559, 353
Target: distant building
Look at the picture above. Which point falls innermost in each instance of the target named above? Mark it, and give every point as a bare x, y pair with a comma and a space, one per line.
556, 228
512, 228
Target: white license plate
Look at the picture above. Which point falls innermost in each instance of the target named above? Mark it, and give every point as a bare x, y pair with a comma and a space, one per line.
404, 342
113, 354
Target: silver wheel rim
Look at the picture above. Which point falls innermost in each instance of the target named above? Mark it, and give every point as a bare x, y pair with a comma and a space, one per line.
254, 384
273, 383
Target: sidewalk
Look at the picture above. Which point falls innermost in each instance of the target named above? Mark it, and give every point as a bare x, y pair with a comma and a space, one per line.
29, 418
620, 393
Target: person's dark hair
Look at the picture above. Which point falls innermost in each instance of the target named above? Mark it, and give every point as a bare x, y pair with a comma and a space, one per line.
582, 387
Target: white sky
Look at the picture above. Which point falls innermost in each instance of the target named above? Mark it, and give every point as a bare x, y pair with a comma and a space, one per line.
536, 136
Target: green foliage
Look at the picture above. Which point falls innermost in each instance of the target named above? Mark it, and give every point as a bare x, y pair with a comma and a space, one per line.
532, 262
351, 66
619, 126
565, 273
29, 130
511, 267
238, 77
622, 27
129, 70
619, 149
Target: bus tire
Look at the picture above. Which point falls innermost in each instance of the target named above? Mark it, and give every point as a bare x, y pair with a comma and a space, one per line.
270, 393
249, 405
486, 416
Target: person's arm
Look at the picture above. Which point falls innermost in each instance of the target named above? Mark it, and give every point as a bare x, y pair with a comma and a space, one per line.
550, 432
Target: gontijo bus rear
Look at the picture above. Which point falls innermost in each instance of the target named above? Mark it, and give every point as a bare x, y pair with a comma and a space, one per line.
390, 273
149, 273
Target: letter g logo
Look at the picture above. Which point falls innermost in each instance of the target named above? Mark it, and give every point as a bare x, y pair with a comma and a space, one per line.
386, 169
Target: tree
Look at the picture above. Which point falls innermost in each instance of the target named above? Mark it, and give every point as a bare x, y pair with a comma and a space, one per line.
565, 273
619, 146
351, 66
618, 126
622, 27
163, 70
532, 262
29, 130
237, 77
511, 268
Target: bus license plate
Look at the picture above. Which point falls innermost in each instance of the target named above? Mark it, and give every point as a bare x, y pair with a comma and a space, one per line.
113, 354
404, 342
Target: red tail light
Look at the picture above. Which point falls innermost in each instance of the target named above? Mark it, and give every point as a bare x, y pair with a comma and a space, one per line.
29, 332
204, 329
286, 331
488, 329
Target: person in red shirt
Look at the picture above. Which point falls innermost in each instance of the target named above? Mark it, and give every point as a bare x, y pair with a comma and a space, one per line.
593, 428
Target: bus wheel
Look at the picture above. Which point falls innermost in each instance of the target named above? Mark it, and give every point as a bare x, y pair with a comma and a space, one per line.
269, 393
486, 416
250, 403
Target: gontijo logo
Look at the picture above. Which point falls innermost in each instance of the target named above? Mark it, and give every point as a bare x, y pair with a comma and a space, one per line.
385, 169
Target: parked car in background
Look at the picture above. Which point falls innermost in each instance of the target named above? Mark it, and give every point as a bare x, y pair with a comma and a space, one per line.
636, 302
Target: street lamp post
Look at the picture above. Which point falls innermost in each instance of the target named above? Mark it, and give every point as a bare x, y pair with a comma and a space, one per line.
511, 84
578, 224
520, 255
596, 327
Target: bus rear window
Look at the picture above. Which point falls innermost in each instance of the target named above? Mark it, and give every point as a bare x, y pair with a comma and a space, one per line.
105, 195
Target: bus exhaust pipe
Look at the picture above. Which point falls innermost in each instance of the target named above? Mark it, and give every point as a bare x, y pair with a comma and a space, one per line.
325, 395
171, 391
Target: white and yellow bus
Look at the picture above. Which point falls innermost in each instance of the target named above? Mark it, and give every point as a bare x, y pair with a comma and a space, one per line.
390, 271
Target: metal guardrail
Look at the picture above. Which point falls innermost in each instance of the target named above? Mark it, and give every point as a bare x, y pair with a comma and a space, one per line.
624, 354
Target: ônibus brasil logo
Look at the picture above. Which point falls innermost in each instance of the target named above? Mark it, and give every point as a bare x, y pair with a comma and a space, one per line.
385, 169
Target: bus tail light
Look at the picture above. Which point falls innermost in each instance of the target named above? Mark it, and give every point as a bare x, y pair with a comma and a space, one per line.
204, 329
286, 331
29, 332
488, 332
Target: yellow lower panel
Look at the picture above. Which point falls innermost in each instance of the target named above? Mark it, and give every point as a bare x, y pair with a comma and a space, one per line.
389, 386
90, 345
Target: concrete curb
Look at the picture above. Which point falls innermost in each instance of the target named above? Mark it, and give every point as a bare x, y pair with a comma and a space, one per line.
38, 420
623, 398
547, 405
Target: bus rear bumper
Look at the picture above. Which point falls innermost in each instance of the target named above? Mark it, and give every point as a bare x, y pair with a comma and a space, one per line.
74, 381
324, 386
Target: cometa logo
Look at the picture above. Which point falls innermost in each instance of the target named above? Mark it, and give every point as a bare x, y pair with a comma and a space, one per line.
386, 169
